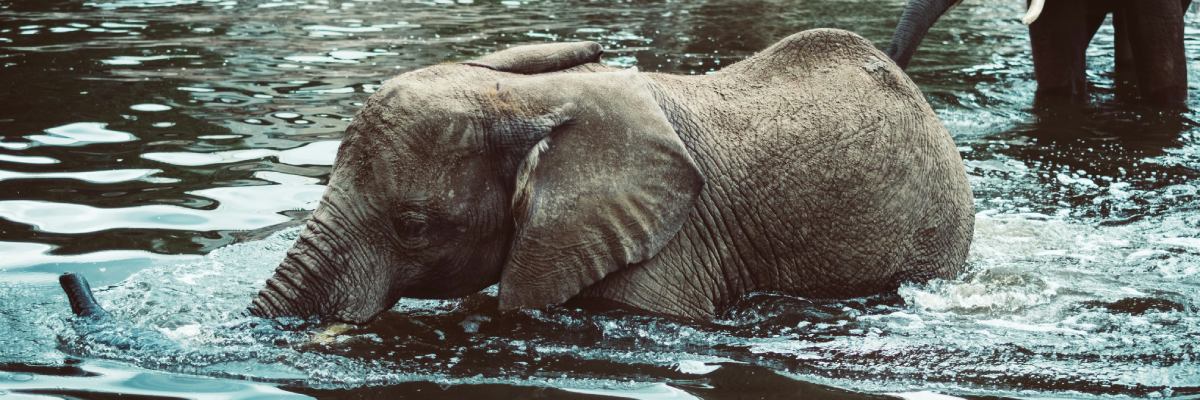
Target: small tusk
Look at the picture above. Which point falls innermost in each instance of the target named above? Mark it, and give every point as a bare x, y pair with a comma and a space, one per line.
1035, 10
330, 333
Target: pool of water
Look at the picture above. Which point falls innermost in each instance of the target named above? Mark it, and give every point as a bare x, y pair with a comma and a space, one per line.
167, 149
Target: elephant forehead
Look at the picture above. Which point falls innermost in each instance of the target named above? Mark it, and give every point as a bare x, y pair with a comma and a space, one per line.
420, 126
393, 165
418, 101
446, 85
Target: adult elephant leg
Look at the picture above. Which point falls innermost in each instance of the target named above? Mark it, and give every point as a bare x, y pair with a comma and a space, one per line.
1156, 38
1059, 39
1126, 68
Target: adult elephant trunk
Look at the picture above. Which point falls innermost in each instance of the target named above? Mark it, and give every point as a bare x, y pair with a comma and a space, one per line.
914, 23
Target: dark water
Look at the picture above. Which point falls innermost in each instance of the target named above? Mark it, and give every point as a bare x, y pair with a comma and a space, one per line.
167, 148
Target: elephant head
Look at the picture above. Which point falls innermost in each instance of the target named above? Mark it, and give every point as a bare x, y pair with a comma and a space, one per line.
503, 169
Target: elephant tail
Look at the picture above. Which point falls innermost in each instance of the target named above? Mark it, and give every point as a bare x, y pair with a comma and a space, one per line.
79, 293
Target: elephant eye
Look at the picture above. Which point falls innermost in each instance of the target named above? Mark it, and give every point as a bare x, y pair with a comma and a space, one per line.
411, 225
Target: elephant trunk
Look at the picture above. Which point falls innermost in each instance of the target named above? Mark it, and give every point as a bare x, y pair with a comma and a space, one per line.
328, 275
918, 17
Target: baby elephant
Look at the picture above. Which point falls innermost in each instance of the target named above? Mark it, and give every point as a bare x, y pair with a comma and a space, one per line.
813, 168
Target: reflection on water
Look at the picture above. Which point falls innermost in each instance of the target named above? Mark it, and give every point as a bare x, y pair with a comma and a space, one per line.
109, 377
167, 149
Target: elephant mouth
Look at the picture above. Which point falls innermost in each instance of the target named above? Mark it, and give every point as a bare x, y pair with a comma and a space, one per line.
264, 307
359, 319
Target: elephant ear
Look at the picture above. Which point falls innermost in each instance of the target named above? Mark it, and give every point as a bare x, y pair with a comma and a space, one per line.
606, 187
539, 58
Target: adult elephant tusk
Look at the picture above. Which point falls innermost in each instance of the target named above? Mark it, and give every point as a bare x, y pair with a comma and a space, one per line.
1035, 10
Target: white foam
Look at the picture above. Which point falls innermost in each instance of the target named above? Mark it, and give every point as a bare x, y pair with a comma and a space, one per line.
183, 332
1002, 293
923, 395
1190, 243
694, 367
657, 391
1020, 326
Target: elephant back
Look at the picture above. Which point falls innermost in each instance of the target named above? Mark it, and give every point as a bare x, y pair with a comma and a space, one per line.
832, 172
819, 51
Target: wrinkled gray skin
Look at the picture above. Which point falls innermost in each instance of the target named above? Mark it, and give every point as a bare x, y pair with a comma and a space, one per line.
814, 168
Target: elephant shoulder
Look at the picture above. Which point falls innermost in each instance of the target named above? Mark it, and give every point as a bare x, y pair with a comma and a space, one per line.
811, 48
836, 57
819, 43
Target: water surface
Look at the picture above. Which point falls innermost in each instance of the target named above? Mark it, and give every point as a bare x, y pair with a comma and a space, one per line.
167, 149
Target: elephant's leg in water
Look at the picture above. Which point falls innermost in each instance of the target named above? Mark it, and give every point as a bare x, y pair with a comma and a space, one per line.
1154, 34
1125, 67
1060, 37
